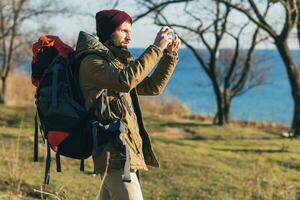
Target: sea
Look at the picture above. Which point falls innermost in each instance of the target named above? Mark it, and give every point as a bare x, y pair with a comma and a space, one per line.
269, 102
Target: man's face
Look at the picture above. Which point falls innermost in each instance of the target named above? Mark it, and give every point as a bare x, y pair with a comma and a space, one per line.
122, 35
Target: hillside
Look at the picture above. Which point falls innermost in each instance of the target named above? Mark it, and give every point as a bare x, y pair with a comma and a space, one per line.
198, 161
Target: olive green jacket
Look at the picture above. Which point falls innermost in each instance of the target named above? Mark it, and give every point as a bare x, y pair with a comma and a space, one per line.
117, 72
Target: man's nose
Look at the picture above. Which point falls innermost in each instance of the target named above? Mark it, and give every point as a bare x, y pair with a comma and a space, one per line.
128, 36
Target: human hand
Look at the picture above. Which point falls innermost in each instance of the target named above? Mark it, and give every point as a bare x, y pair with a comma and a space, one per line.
162, 39
174, 45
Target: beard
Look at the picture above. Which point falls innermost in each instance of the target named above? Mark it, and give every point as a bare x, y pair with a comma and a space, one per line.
119, 43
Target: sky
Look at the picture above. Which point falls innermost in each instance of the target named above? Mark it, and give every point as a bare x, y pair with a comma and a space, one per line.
143, 31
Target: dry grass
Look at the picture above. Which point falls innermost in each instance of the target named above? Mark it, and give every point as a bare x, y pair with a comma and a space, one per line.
269, 126
20, 91
164, 105
16, 166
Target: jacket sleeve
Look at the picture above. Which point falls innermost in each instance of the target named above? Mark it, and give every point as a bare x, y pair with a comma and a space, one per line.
155, 84
96, 72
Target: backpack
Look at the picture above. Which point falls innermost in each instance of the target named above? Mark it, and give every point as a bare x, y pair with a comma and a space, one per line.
61, 117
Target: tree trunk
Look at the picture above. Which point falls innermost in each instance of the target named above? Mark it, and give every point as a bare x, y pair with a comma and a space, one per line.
223, 107
293, 75
298, 23
226, 111
3, 91
296, 119
220, 115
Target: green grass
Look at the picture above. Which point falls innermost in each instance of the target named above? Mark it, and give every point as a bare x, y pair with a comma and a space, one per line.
230, 162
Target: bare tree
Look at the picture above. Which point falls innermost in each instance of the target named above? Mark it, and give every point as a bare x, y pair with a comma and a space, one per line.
298, 23
230, 70
14, 33
253, 10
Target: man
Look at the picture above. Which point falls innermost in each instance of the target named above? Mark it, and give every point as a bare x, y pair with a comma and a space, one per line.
110, 76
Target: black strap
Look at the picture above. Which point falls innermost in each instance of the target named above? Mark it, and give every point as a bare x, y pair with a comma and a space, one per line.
95, 137
138, 174
48, 165
58, 164
82, 165
69, 74
56, 67
35, 143
49, 68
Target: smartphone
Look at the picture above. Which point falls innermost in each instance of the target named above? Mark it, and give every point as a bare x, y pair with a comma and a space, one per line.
171, 35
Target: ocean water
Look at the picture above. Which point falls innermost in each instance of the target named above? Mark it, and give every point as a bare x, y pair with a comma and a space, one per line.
270, 102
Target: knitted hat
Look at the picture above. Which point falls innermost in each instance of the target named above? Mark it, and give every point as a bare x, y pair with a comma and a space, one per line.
108, 20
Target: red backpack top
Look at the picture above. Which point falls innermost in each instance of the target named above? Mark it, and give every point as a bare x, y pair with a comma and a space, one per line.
44, 51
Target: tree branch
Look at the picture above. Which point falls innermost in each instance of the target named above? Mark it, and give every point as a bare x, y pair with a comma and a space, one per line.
198, 57
291, 14
263, 24
298, 22
247, 65
155, 7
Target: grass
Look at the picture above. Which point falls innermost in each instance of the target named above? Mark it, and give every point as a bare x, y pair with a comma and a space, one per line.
217, 163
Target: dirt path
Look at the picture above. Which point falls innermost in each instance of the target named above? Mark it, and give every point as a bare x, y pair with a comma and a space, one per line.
172, 132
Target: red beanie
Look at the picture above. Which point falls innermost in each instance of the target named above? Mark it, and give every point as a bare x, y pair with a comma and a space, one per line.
108, 20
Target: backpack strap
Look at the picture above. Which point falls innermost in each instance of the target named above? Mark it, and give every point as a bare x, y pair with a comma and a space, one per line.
35, 143
48, 165
82, 165
138, 174
48, 157
96, 149
56, 67
48, 69
37, 129
58, 164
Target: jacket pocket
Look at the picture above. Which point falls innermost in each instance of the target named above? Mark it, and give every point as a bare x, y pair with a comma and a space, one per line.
117, 110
